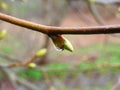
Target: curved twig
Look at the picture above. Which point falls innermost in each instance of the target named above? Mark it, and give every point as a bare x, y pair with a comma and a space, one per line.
61, 30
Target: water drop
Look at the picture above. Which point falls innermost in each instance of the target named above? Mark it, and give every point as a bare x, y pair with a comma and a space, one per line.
57, 48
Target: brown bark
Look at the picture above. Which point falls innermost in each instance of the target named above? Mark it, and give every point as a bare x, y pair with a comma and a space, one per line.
108, 29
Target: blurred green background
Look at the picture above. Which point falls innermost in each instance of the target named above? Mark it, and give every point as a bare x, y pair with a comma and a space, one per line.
95, 62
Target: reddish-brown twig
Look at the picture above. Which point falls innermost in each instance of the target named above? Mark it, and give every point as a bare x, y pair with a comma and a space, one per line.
108, 29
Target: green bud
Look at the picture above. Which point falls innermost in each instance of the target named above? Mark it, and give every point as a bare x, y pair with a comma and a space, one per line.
2, 34
52, 88
68, 46
41, 52
4, 6
32, 65
61, 43
118, 9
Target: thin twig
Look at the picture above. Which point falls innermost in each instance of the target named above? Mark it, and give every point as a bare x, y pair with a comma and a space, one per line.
25, 63
108, 29
8, 57
27, 84
116, 85
15, 79
8, 75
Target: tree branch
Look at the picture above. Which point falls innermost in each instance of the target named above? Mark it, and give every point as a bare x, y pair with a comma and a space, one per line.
108, 29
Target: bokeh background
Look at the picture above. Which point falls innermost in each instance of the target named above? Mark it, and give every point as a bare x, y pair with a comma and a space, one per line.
95, 62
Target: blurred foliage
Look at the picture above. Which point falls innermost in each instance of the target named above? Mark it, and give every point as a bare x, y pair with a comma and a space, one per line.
103, 64
7, 49
106, 63
10, 48
31, 73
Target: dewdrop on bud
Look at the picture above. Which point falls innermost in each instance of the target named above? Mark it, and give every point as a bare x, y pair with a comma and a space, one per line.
41, 52
32, 65
61, 43
58, 42
2, 34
